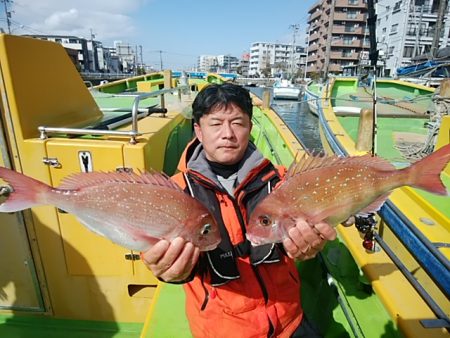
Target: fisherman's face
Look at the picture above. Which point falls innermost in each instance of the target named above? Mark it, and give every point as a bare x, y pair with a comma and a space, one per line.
224, 134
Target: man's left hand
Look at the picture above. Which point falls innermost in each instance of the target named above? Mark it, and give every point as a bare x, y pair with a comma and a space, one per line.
306, 240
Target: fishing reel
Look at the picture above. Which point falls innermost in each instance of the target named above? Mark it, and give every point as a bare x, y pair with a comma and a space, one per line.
366, 225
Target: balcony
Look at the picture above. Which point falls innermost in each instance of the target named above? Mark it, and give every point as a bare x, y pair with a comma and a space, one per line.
316, 5
313, 47
314, 15
333, 67
342, 16
344, 56
350, 4
345, 43
314, 37
348, 30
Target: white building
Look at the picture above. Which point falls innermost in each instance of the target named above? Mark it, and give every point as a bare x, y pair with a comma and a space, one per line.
406, 29
127, 55
227, 63
207, 63
273, 59
85, 57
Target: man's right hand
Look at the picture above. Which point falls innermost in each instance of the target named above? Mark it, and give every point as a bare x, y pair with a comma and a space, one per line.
171, 261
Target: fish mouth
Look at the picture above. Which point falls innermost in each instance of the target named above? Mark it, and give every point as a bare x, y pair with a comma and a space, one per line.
255, 240
209, 247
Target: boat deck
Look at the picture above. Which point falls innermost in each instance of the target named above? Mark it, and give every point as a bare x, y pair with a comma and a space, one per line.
390, 102
390, 132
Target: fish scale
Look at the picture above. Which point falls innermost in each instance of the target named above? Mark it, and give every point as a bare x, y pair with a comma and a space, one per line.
133, 210
331, 189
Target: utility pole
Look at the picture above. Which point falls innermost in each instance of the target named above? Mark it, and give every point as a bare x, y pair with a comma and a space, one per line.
142, 60
437, 32
7, 14
373, 56
295, 29
136, 60
160, 60
329, 39
418, 32
307, 51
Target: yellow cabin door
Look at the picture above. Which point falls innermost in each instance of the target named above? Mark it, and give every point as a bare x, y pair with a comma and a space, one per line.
86, 253
89, 277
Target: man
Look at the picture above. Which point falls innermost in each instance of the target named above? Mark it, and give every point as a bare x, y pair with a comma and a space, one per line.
236, 289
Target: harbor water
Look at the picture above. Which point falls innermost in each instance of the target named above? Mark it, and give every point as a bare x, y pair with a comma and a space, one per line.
298, 117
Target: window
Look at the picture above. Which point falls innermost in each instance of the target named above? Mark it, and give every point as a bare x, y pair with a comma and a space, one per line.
353, 2
352, 15
408, 51
349, 28
394, 29
346, 53
397, 7
348, 40
391, 50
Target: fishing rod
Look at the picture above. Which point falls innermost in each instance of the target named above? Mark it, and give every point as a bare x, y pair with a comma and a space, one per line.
373, 57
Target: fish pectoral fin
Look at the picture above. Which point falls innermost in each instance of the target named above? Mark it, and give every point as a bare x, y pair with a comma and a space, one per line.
121, 235
375, 205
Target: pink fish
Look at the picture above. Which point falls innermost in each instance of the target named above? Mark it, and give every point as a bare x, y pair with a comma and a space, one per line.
134, 211
331, 189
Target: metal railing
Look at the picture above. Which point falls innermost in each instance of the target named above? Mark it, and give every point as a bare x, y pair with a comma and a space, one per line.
45, 131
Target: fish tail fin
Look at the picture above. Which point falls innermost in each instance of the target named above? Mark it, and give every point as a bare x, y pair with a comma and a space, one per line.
425, 174
25, 193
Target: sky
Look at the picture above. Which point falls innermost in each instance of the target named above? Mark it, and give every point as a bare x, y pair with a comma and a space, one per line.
175, 31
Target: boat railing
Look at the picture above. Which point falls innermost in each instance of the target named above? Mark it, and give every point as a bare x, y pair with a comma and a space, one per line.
136, 112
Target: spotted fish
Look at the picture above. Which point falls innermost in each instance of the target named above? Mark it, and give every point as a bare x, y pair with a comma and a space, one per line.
132, 210
331, 189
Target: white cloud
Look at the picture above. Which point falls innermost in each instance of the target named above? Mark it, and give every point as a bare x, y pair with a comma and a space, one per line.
109, 19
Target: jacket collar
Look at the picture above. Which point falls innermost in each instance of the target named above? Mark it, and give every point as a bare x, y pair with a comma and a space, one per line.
194, 159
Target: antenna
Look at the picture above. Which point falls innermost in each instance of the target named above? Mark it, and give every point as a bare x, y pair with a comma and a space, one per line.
295, 29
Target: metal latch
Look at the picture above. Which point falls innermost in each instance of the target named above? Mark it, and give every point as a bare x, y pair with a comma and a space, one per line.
51, 161
132, 257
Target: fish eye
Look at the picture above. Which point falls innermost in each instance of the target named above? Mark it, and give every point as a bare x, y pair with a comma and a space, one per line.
206, 229
265, 220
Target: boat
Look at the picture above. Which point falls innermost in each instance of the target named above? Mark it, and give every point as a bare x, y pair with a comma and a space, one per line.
429, 73
284, 89
312, 96
411, 230
58, 279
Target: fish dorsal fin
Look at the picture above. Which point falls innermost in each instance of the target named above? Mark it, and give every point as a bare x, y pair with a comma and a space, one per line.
314, 161
82, 180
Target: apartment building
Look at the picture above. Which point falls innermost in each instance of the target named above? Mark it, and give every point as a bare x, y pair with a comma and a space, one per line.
92, 56
227, 63
406, 29
85, 57
273, 59
207, 63
337, 36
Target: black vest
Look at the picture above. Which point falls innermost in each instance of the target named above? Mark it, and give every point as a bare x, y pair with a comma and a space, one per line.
220, 263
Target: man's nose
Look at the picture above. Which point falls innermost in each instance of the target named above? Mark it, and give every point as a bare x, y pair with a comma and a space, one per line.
227, 131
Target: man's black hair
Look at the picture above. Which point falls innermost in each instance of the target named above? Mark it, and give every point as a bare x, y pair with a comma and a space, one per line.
221, 95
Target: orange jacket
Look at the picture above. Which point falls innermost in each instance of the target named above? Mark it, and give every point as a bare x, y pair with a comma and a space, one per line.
259, 293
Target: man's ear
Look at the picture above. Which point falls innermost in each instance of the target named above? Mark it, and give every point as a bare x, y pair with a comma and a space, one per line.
198, 131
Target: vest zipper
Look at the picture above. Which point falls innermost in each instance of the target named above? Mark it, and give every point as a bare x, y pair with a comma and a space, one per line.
254, 268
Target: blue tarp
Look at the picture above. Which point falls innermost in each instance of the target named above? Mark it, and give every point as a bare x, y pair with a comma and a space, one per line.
415, 68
